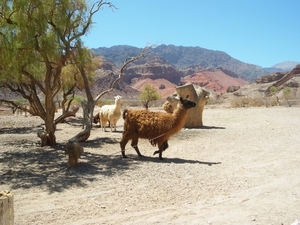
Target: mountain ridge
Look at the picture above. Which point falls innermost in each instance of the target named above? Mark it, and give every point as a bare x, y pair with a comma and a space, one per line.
182, 57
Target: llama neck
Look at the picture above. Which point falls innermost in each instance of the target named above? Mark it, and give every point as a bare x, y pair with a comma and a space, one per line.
179, 115
117, 106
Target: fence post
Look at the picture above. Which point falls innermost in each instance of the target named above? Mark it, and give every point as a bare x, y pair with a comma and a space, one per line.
6, 208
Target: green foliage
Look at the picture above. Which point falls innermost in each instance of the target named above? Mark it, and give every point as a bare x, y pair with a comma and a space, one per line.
286, 91
38, 39
21, 101
79, 99
149, 94
273, 90
102, 102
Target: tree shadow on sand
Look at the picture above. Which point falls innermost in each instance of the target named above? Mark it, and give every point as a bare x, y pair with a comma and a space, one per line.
46, 167
19, 130
34, 166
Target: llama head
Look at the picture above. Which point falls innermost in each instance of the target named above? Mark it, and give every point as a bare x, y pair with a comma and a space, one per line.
96, 118
176, 99
187, 104
118, 98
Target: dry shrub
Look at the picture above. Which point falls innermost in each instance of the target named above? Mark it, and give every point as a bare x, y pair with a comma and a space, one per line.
255, 102
247, 102
239, 102
273, 101
215, 100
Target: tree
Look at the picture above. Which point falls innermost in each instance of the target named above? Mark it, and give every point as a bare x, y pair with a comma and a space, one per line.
149, 94
37, 40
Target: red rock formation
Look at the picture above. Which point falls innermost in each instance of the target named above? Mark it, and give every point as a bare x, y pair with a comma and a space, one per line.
169, 88
215, 80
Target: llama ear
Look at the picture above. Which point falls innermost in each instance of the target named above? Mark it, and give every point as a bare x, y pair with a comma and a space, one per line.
187, 96
175, 96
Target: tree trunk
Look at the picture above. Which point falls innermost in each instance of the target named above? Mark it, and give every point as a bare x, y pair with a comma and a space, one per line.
88, 117
197, 95
50, 132
6, 208
49, 119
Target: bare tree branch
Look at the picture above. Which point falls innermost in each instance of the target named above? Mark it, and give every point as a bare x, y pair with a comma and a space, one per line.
66, 115
17, 106
127, 61
7, 19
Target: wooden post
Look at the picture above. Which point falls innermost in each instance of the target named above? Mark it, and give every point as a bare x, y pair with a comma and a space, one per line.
6, 208
197, 95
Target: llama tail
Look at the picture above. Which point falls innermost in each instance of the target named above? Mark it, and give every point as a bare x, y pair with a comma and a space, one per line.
125, 112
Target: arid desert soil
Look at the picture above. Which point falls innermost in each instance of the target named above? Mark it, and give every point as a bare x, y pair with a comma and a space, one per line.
242, 167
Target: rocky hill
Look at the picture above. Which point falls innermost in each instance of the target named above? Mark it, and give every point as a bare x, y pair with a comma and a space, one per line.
260, 89
183, 57
165, 77
153, 68
214, 79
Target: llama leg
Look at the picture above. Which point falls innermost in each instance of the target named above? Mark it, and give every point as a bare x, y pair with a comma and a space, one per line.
113, 125
161, 149
103, 124
123, 143
134, 144
165, 146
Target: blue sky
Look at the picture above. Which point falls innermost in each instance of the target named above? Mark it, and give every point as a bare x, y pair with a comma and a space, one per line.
260, 32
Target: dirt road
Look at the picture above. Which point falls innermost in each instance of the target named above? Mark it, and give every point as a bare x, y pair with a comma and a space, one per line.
242, 167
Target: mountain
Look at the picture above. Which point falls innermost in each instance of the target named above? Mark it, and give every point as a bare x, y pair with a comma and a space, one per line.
154, 67
183, 57
282, 67
286, 66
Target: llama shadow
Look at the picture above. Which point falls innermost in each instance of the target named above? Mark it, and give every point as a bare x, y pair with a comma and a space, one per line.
206, 128
211, 127
174, 160
108, 131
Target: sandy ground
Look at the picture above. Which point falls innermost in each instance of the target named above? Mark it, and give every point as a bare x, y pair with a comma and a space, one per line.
242, 167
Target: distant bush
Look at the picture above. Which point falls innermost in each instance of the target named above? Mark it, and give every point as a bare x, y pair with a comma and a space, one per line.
102, 102
247, 102
215, 100
239, 102
21, 101
289, 95
255, 102
138, 103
